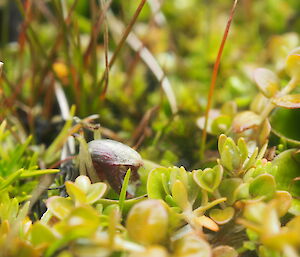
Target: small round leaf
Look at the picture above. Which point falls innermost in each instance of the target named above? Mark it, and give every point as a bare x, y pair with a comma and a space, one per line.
191, 245
209, 179
59, 206
180, 196
228, 187
75, 192
263, 186
224, 251
156, 187
245, 120
288, 101
222, 216
83, 182
147, 222
267, 81
95, 192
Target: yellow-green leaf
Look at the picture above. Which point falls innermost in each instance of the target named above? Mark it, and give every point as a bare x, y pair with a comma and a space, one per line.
267, 81
288, 101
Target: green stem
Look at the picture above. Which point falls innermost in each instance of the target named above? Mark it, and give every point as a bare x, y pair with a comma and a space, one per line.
218, 196
204, 199
289, 87
200, 210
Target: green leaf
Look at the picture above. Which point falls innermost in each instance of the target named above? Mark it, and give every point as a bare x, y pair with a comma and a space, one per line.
178, 174
222, 216
147, 222
221, 124
191, 245
249, 245
9, 208
288, 130
95, 192
241, 192
224, 251
180, 196
258, 103
263, 186
33, 173
242, 145
41, 234
288, 168
267, 252
59, 206
213, 114
192, 189
250, 162
267, 81
292, 65
155, 187
230, 155
128, 204
295, 208
245, 120
229, 108
170, 201
83, 182
209, 179
124, 190
228, 187
152, 251
11, 179
81, 222
76, 194
221, 142
282, 202
294, 224
270, 222
255, 211
226, 158
279, 240
288, 101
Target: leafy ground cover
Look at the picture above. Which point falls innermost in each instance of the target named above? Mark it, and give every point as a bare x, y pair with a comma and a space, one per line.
141, 128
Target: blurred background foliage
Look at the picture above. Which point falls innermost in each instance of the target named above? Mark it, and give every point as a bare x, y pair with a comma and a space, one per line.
48, 48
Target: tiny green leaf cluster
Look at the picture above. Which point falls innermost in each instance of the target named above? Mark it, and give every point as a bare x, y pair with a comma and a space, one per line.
18, 165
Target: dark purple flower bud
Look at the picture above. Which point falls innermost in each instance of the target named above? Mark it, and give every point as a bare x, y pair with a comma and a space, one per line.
112, 159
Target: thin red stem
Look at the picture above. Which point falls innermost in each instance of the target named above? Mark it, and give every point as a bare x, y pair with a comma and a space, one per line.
214, 79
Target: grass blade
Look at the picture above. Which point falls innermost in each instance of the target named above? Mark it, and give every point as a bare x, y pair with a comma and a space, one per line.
124, 190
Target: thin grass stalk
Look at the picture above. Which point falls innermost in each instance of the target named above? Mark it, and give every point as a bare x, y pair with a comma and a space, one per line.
123, 38
106, 75
95, 31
